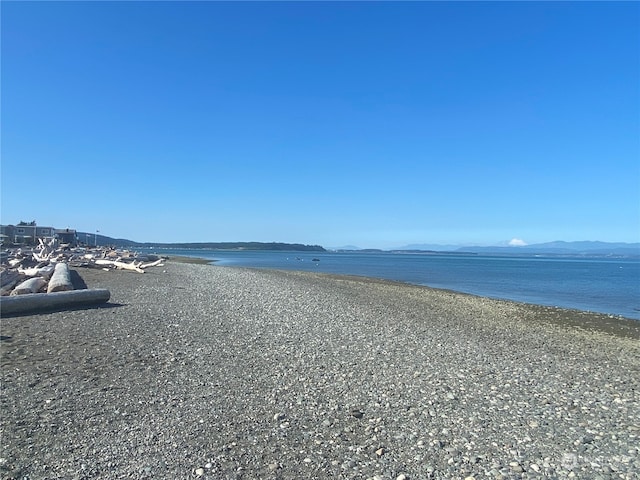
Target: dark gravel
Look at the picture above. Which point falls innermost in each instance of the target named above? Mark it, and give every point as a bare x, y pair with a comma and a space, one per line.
216, 372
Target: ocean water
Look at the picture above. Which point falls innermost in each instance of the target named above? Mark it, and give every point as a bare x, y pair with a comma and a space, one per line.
605, 285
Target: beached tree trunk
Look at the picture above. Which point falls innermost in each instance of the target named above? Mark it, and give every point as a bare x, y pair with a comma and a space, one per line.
152, 264
8, 276
44, 272
61, 279
52, 301
8, 280
32, 285
122, 265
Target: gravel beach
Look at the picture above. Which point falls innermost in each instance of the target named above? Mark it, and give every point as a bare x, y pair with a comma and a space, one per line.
198, 371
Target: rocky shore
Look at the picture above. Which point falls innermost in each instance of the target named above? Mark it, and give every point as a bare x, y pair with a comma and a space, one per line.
225, 373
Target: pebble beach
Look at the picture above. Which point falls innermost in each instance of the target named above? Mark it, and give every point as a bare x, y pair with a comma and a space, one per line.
199, 371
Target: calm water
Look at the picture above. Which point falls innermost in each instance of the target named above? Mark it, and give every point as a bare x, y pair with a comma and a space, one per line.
603, 285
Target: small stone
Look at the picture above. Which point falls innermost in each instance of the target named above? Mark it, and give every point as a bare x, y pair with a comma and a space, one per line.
380, 451
453, 451
307, 460
273, 466
199, 472
587, 439
535, 467
516, 467
402, 476
278, 416
569, 460
356, 412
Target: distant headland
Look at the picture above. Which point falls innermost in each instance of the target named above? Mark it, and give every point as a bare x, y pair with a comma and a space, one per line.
237, 246
280, 246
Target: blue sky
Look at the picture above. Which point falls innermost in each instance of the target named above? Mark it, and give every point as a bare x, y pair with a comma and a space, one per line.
377, 124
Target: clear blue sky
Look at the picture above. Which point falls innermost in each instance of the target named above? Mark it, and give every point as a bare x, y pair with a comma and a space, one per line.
369, 123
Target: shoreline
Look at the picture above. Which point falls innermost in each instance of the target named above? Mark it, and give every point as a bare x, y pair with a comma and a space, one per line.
618, 324
602, 322
193, 371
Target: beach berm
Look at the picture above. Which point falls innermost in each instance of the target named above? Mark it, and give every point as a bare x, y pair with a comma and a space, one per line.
200, 371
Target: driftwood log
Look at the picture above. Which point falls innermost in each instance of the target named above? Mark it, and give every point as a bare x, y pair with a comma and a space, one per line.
122, 265
15, 262
51, 301
8, 276
152, 264
61, 279
32, 285
44, 272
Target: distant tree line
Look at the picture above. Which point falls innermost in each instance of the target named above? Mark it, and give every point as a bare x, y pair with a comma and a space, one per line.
121, 242
239, 246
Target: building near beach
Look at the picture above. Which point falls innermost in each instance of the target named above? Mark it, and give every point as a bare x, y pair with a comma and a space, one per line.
67, 236
28, 233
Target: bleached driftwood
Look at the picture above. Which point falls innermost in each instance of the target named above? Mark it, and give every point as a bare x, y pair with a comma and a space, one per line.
46, 250
15, 262
61, 279
32, 285
152, 264
49, 301
121, 265
44, 272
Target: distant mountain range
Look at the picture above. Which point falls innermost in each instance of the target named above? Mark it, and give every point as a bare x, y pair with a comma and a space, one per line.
549, 248
565, 248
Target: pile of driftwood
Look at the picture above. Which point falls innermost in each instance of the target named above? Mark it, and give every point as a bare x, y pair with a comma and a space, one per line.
109, 259
40, 278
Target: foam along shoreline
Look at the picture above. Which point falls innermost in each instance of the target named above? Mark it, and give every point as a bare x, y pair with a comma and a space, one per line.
226, 372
